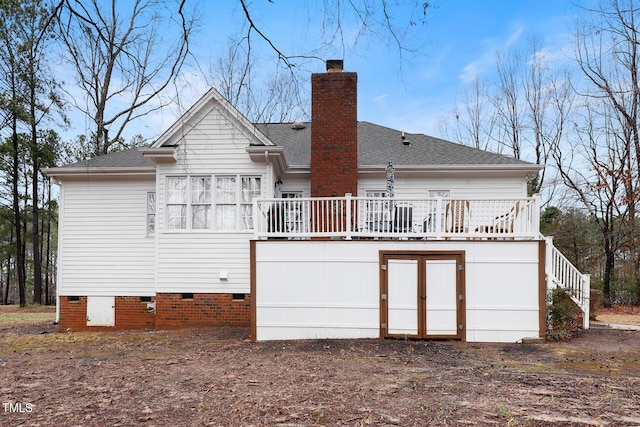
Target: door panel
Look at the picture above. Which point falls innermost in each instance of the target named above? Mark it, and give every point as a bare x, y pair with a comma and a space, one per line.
422, 294
442, 298
402, 276
101, 311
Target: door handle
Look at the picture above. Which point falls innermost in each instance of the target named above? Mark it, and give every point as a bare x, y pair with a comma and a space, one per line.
423, 297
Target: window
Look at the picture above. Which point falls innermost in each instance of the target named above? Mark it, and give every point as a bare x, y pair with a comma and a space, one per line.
226, 203
200, 203
151, 213
176, 203
378, 211
194, 203
293, 215
438, 193
250, 190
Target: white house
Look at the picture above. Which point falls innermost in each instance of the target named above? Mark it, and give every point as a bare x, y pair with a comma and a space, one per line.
329, 229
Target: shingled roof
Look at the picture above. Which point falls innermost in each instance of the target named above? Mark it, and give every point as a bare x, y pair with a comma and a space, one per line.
131, 158
379, 145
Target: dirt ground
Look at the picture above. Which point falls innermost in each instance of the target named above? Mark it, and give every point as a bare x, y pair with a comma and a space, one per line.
218, 377
619, 314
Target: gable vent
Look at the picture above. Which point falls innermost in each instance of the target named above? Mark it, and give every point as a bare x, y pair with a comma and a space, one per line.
298, 125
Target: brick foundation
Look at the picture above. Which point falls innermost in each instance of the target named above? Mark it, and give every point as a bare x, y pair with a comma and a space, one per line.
73, 314
131, 313
172, 312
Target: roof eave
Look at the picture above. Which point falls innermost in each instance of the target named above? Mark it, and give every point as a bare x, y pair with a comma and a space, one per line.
162, 155
267, 153
66, 172
528, 170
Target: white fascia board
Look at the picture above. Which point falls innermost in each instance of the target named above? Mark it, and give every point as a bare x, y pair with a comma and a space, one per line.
529, 170
261, 153
163, 155
70, 172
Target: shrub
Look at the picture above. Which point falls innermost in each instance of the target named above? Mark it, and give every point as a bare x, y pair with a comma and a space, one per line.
596, 300
563, 316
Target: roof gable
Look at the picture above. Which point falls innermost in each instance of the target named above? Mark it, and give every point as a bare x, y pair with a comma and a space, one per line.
202, 107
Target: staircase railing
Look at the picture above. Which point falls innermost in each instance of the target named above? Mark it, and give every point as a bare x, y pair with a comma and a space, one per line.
563, 274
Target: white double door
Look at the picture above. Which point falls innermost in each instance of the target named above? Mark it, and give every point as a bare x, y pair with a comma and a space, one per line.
423, 295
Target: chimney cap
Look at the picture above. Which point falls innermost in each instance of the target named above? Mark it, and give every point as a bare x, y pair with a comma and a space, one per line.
335, 65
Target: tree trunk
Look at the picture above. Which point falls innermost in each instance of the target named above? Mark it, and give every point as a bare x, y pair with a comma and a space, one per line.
17, 217
35, 223
6, 290
608, 272
48, 249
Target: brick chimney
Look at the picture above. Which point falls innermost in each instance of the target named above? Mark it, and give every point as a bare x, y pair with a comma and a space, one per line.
334, 132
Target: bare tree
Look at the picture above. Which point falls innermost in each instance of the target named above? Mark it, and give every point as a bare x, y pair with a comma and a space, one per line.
343, 26
549, 101
389, 21
522, 113
261, 96
508, 102
123, 59
474, 119
607, 52
595, 170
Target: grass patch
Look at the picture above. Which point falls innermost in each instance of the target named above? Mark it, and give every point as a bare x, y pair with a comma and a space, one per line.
14, 314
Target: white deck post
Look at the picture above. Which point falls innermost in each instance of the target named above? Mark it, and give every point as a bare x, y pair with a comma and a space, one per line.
439, 221
548, 259
256, 219
535, 220
586, 298
348, 198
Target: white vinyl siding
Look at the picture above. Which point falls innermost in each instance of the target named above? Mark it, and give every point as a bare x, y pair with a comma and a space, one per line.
458, 187
191, 260
104, 246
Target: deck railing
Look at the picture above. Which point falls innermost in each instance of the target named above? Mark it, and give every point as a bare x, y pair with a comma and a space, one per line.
563, 274
427, 218
381, 217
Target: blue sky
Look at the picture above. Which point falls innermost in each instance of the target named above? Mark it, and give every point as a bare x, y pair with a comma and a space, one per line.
459, 41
